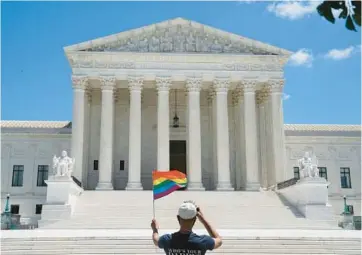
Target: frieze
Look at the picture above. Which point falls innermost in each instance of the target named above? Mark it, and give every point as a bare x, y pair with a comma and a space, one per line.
152, 61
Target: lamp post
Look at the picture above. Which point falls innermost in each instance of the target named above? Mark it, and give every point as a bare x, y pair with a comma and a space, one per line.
7, 204
6, 215
345, 211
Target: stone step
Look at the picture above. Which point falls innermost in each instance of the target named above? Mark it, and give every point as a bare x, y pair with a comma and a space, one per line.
149, 245
158, 251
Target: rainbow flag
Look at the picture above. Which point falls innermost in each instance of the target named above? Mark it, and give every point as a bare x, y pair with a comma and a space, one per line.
165, 183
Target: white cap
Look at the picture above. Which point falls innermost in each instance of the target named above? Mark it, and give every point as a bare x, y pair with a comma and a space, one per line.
187, 210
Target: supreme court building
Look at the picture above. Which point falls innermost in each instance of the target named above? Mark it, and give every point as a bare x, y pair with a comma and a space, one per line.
178, 95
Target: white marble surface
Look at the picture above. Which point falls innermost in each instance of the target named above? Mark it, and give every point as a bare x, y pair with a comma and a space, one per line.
263, 233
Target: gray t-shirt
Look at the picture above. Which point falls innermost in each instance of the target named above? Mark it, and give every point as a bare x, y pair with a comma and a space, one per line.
186, 243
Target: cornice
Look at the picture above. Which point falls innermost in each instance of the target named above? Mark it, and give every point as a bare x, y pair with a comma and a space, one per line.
36, 135
295, 139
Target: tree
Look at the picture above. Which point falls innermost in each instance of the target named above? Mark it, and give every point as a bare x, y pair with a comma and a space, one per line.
349, 10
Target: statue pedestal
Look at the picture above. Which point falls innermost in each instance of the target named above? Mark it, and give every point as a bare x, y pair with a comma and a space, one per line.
62, 194
310, 196
347, 222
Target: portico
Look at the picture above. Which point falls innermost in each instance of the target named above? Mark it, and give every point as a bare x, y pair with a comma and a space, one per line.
232, 106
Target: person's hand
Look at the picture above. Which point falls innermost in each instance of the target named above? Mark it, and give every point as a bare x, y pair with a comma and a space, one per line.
154, 225
199, 214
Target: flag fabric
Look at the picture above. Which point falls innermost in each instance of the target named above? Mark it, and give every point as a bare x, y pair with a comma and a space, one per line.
165, 183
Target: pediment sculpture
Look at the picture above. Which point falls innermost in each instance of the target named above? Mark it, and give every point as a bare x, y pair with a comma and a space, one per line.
180, 38
63, 166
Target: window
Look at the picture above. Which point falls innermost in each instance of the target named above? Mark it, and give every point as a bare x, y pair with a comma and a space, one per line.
323, 172
42, 175
95, 165
345, 178
296, 172
121, 165
14, 209
38, 209
350, 209
18, 172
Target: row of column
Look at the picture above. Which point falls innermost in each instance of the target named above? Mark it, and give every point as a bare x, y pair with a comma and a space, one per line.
260, 138
163, 85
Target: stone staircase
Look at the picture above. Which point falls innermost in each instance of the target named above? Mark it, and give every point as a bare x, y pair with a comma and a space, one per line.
225, 210
257, 242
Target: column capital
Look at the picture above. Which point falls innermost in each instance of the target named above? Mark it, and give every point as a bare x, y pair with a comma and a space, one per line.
237, 96
88, 93
261, 97
211, 95
249, 86
221, 85
193, 84
108, 83
276, 85
163, 83
135, 83
79, 82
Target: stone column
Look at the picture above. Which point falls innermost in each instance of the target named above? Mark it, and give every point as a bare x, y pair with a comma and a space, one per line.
134, 162
251, 139
163, 85
108, 85
213, 146
238, 98
278, 149
87, 131
261, 99
222, 134
79, 85
193, 86
269, 142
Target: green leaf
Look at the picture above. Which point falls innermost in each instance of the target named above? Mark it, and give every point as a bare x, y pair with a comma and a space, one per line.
349, 24
325, 10
357, 12
357, 19
344, 13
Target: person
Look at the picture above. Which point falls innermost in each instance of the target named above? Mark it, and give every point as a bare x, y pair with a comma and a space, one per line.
185, 241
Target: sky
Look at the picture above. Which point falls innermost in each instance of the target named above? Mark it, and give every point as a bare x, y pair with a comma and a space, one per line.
323, 76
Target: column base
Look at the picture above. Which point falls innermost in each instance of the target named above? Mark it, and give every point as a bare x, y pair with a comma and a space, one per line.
134, 186
104, 186
252, 186
195, 186
222, 186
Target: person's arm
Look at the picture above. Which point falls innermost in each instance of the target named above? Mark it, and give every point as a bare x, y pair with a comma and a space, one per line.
155, 236
212, 231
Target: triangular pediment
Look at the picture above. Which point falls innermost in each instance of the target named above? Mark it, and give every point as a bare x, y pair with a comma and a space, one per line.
178, 35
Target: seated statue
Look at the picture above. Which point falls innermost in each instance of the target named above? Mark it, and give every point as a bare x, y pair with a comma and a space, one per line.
308, 166
63, 166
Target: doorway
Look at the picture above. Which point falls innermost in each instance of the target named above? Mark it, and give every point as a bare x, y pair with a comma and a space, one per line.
178, 156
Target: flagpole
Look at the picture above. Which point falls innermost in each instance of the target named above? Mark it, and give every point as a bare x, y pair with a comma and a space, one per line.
153, 205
